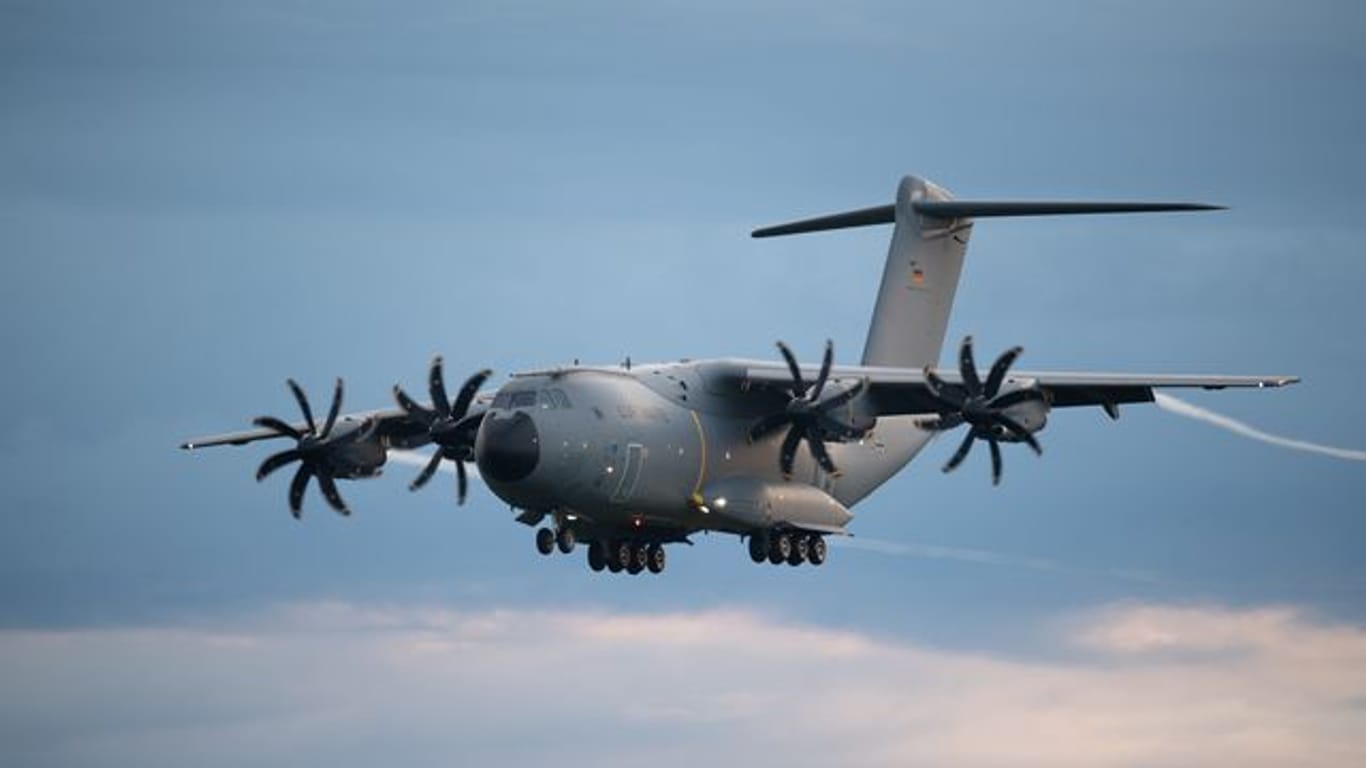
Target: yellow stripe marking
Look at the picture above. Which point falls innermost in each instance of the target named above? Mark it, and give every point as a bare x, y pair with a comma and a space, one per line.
702, 466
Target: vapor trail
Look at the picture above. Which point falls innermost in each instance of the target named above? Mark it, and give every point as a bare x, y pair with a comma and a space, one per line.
1183, 408
984, 557
415, 459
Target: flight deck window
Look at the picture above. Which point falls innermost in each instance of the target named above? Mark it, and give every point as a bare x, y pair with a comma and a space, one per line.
503, 400
548, 400
524, 399
561, 398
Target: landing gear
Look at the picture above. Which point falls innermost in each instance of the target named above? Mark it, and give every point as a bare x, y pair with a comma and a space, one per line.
654, 558
791, 547
758, 546
565, 540
780, 549
816, 550
597, 559
545, 541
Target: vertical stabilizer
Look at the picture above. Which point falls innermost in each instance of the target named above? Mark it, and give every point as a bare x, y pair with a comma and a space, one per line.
926, 257
924, 261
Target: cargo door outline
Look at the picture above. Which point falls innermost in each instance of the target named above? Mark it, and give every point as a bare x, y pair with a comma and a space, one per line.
630, 474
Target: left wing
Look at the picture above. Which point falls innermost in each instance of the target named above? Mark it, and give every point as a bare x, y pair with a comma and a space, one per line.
390, 423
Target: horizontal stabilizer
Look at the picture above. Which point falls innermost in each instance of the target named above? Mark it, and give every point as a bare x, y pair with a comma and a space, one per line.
965, 209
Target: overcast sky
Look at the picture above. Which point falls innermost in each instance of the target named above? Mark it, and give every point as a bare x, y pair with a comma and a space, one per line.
198, 200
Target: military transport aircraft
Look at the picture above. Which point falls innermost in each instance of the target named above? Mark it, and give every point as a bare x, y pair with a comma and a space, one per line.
630, 458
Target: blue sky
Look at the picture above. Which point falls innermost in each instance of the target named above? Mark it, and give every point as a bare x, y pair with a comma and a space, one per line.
199, 200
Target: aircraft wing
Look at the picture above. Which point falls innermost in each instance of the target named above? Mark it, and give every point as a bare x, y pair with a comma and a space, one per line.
392, 423
895, 391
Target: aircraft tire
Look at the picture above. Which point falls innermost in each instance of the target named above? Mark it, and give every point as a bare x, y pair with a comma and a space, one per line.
565, 540
816, 550
799, 551
545, 541
758, 546
781, 549
656, 558
622, 552
597, 560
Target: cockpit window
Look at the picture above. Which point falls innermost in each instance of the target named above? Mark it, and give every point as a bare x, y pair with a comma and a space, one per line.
502, 401
561, 398
524, 399
548, 400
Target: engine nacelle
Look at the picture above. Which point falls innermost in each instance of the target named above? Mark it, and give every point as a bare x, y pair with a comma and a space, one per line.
356, 451
1031, 414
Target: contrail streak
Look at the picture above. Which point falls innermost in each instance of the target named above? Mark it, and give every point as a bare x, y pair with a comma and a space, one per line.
1183, 408
984, 557
415, 459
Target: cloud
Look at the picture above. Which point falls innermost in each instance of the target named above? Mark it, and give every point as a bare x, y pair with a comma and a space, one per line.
358, 685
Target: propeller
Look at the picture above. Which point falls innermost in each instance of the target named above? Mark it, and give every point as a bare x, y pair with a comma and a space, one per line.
314, 450
449, 424
981, 406
807, 416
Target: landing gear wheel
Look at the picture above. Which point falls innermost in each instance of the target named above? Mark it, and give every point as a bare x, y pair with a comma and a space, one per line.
799, 551
565, 540
610, 552
781, 549
641, 559
816, 550
545, 541
655, 559
623, 554
758, 546
597, 559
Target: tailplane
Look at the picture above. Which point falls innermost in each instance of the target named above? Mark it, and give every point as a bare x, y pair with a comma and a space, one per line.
925, 259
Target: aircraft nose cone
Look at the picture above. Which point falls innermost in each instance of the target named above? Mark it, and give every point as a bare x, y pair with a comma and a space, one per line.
510, 449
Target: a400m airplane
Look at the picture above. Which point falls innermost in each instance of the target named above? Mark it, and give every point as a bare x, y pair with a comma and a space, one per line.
631, 458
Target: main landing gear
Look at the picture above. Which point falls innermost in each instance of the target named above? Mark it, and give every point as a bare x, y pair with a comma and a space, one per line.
615, 555
791, 547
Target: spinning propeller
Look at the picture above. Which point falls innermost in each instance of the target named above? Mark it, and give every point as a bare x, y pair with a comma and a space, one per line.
806, 415
315, 451
981, 406
449, 424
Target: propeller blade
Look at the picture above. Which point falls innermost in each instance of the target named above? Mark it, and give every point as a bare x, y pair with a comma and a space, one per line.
302, 399
968, 368
462, 482
282, 429
942, 392
411, 407
768, 425
788, 454
461, 406
995, 459
426, 473
798, 383
826, 361
821, 455
999, 369
1016, 397
961, 453
329, 488
276, 461
297, 487
1018, 430
436, 387
334, 410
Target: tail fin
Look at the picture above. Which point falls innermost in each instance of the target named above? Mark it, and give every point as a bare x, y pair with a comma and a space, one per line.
926, 257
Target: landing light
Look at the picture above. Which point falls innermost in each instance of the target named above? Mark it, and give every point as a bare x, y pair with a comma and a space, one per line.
720, 502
